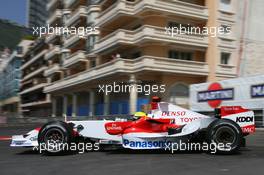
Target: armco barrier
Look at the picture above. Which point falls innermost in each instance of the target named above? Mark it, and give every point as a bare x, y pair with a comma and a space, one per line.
19, 121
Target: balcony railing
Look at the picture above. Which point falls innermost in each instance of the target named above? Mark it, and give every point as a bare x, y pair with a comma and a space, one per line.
56, 15
51, 37
226, 70
51, 3
228, 42
68, 3
144, 63
226, 16
33, 88
80, 12
148, 32
72, 40
35, 58
34, 73
52, 52
35, 103
55, 68
74, 58
167, 6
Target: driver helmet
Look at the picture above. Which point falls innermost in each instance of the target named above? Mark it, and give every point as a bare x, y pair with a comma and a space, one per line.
139, 115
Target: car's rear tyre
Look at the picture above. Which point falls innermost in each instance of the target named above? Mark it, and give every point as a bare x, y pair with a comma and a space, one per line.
55, 137
226, 135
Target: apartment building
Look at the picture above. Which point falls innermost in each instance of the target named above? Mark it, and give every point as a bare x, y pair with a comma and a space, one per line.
36, 13
34, 103
10, 75
251, 51
133, 48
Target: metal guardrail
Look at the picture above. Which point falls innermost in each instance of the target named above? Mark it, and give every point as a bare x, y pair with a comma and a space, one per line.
20, 121
11, 121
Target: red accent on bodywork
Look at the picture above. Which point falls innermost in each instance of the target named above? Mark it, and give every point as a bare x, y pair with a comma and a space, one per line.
228, 110
75, 133
154, 105
38, 129
249, 129
142, 125
115, 128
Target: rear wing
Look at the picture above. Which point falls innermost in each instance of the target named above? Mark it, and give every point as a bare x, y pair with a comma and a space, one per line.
243, 117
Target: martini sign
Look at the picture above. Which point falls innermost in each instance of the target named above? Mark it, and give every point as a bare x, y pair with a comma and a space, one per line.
215, 95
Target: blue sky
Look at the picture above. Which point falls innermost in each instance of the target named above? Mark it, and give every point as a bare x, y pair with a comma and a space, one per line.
13, 10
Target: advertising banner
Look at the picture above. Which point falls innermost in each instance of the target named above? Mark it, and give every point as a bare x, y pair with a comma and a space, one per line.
247, 92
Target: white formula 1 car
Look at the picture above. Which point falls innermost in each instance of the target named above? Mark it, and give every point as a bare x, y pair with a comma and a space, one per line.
164, 126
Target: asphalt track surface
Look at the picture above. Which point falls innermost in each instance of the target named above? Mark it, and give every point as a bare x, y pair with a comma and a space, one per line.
19, 161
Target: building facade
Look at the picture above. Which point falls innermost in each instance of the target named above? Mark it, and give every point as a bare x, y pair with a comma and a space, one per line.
34, 103
10, 75
133, 48
251, 49
36, 13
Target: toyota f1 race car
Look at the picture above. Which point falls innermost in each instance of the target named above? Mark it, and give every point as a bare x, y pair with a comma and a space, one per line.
162, 128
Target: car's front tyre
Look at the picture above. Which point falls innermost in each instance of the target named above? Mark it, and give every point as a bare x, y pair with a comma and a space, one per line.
55, 137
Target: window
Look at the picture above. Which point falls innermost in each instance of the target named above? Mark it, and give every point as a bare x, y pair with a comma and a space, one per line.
180, 55
225, 5
179, 94
93, 63
226, 29
19, 49
136, 55
225, 57
90, 43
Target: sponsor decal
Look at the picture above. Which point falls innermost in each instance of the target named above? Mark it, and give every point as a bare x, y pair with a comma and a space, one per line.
173, 113
114, 127
249, 129
215, 95
244, 119
257, 91
187, 120
146, 144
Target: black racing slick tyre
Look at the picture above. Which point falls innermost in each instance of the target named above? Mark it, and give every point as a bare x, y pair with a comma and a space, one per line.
55, 137
225, 136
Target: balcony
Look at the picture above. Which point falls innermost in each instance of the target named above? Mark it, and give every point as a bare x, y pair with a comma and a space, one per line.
51, 4
73, 39
56, 15
227, 42
148, 33
226, 16
68, 3
79, 13
36, 103
144, 63
52, 52
124, 7
33, 88
34, 73
55, 68
51, 37
79, 56
225, 70
35, 58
